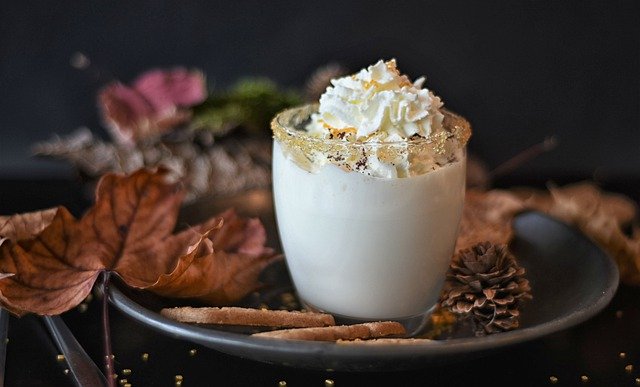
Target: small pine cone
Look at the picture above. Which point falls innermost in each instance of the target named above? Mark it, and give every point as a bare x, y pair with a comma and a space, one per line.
486, 284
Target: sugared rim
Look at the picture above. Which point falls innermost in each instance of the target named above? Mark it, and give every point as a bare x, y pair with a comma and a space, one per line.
284, 125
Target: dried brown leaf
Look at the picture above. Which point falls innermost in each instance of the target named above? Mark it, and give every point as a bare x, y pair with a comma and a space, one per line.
42, 279
487, 216
602, 216
584, 198
237, 246
24, 226
52, 260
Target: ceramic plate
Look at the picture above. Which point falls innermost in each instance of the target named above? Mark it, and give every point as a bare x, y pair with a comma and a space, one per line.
548, 249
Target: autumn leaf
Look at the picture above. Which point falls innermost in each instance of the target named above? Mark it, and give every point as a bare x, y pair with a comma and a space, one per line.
42, 279
609, 219
487, 216
51, 260
583, 197
156, 102
238, 246
600, 215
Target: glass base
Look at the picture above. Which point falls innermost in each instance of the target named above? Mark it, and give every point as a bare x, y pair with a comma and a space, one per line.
414, 325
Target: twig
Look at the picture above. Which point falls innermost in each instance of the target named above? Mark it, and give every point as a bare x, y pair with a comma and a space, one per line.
528, 154
106, 332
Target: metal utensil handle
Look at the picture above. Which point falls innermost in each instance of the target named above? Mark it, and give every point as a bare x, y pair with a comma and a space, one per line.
83, 370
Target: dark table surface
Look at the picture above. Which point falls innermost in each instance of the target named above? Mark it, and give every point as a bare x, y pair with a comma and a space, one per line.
592, 349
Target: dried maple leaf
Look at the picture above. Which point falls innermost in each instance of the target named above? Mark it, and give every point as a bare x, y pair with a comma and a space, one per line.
600, 215
487, 216
583, 197
38, 280
238, 246
51, 260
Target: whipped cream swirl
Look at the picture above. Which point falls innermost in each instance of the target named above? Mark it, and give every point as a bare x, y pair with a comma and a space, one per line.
377, 104
375, 122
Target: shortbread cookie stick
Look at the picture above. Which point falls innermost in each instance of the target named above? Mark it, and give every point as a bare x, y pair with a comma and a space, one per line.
248, 316
339, 332
389, 340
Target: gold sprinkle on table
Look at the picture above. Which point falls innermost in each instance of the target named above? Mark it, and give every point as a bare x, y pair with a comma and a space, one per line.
638, 381
127, 385
60, 357
622, 355
329, 383
66, 371
628, 368
193, 352
123, 381
179, 383
553, 379
126, 372
584, 379
179, 378
282, 383
145, 357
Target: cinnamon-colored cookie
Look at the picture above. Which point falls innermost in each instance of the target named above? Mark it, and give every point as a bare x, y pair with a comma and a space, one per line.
339, 332
248, 317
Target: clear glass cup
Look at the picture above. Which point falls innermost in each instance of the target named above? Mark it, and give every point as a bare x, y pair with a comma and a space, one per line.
362, 247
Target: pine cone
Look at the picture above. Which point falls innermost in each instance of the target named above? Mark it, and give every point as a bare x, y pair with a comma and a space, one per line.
486, 285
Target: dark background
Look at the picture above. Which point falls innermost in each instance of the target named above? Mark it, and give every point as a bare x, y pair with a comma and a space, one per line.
520, 71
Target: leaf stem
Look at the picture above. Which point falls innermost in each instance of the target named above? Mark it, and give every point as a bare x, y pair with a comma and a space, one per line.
106, 332
528, 154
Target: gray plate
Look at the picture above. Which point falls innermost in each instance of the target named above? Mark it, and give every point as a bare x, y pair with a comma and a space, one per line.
548, 249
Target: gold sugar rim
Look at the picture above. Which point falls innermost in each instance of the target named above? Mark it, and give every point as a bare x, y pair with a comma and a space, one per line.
457, 127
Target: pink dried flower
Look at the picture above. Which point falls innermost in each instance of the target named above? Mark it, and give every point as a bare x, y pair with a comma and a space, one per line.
157, 102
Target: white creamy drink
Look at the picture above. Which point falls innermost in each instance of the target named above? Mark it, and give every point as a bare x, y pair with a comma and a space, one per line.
368, 189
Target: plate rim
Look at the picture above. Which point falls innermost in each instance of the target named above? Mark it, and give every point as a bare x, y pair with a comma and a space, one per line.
238, 344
